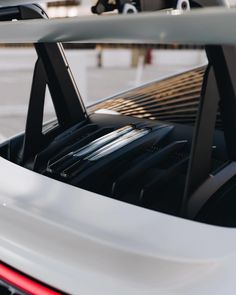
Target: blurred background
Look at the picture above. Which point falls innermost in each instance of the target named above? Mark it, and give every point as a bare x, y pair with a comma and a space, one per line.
100, 71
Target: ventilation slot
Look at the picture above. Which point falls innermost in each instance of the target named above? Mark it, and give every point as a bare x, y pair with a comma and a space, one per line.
85, 149
6, 289
71, 139
142, 183
97, 173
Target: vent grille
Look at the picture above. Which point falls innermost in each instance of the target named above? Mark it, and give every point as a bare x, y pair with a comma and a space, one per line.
6, 289
175, 99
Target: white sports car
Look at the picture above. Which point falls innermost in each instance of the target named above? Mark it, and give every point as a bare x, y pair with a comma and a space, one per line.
139, 202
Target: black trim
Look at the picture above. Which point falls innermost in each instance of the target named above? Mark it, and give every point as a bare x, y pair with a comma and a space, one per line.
201, 152
51, 69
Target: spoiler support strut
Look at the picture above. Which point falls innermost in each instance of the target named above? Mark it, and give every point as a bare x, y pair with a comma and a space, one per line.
53, 70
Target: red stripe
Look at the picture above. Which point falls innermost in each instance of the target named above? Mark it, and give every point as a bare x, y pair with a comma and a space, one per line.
23, 283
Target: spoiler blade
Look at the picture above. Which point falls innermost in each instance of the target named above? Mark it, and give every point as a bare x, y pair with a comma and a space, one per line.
201, 26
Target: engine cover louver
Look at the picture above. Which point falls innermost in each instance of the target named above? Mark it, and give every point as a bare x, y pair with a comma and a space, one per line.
174, 99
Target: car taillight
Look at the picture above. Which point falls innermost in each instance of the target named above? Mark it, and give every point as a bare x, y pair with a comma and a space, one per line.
21, 284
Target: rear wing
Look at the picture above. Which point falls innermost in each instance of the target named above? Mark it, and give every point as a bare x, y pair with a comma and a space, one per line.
210, 26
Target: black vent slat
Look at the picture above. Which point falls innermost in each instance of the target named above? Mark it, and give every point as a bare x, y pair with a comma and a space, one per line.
153, 104
123, 153
130, 177
7, 289
169, 109
70, 136
75, 154
161, 99
80, 143
162, 180
84, 164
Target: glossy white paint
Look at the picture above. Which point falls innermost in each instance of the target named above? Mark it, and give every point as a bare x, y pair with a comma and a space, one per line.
85, 243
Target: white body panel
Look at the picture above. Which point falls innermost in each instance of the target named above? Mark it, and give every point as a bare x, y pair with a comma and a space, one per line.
84, 243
